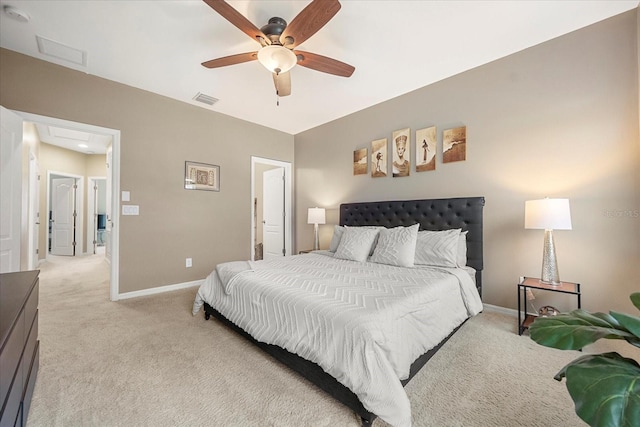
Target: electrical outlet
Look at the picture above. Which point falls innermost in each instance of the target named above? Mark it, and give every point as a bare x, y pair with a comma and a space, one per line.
188, 262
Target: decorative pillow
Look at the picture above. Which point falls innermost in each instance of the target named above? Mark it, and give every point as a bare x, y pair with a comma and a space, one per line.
437, 248
462, 249
396, 246
337, 235
356, 243
375, 242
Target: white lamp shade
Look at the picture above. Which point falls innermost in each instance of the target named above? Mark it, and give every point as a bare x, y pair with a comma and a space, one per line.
277, 57
547, 214
316, 216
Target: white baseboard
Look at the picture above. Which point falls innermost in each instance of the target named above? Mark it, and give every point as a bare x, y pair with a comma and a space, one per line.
160, 289
502, 310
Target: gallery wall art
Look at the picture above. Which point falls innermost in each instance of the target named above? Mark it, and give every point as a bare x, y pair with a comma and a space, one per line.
360, 161
454, 145
401, 142
398, 152
426, 143
379, 158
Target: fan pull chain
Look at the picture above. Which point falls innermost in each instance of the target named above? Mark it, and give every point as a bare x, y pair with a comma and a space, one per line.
277, 71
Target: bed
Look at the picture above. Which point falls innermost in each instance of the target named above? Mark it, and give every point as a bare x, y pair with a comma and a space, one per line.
355, 365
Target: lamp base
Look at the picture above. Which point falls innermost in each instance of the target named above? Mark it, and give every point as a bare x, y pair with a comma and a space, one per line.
549, 274
316, 240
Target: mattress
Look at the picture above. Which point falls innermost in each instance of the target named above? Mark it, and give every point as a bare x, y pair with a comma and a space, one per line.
363, 323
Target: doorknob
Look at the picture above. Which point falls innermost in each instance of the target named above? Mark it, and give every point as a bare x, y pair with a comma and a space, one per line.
37, 223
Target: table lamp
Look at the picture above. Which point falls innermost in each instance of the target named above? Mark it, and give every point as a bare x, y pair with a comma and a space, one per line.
548, 215
315, 217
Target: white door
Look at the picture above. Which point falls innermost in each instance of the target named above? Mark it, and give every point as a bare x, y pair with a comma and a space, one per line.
10, 190
108, 210
273, 213
34, 211
62, 216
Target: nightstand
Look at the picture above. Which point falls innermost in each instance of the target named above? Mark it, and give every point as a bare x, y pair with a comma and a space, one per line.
524, 319
306, 251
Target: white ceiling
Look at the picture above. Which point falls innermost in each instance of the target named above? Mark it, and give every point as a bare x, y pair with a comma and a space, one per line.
395, 46
73, 139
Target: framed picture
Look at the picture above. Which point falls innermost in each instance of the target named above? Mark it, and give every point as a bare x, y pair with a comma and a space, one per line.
426, 140
379, 158
360, 161
454, 145
401, 152
201, 176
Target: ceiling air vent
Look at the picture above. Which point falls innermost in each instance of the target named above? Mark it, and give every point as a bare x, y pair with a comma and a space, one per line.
61, 51
205, 99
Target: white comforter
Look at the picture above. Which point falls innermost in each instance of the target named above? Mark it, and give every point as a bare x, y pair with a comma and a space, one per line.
363, 323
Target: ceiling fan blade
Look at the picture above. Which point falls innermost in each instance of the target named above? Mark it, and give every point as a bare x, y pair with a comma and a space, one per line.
324, 64
282, 82
309, 21
231, 60
236, 18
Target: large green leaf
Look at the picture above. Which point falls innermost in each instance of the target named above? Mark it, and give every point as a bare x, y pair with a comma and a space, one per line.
635, 299
577, 329
631, 324
605, 389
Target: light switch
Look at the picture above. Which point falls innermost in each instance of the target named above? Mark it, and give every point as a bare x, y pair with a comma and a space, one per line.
130, 210
126, 196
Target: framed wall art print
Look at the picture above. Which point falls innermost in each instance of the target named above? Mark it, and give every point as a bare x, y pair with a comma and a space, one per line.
201, 176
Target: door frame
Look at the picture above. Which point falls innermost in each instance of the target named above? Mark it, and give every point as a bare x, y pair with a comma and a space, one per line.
114, 283
79, 208
33, 216
288, 202
91, 201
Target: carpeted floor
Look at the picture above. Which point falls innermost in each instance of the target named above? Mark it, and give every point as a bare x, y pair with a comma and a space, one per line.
149, 362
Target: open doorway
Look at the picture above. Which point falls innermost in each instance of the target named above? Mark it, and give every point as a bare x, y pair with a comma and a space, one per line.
109, 233
65, 217
271, 208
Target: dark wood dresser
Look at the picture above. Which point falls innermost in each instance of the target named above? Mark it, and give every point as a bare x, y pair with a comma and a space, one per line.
19, 348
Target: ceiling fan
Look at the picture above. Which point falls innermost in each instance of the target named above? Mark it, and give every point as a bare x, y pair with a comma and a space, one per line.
278, 42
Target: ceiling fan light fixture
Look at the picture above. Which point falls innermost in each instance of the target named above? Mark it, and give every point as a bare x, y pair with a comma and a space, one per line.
276, 57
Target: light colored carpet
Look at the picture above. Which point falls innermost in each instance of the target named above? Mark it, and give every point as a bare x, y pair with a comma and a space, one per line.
149, 362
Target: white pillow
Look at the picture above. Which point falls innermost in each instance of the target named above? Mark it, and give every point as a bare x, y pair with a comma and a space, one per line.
356, 243
396, 246
462, 249
335, 240
337, 235
437, 248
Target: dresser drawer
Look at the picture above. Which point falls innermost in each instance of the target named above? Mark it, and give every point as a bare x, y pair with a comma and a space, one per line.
11, 408
10, 357
31, 306
30, 348
31, 382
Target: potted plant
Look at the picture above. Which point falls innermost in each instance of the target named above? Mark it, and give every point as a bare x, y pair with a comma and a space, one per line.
604, 387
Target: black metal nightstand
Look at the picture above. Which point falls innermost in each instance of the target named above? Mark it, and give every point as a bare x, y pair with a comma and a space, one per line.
524, 319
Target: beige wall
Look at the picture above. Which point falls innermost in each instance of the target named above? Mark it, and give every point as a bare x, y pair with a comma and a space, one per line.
96, 165
559, 119
157, 135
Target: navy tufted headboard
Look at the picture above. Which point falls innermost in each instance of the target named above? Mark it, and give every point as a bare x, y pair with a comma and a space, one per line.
431, 214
